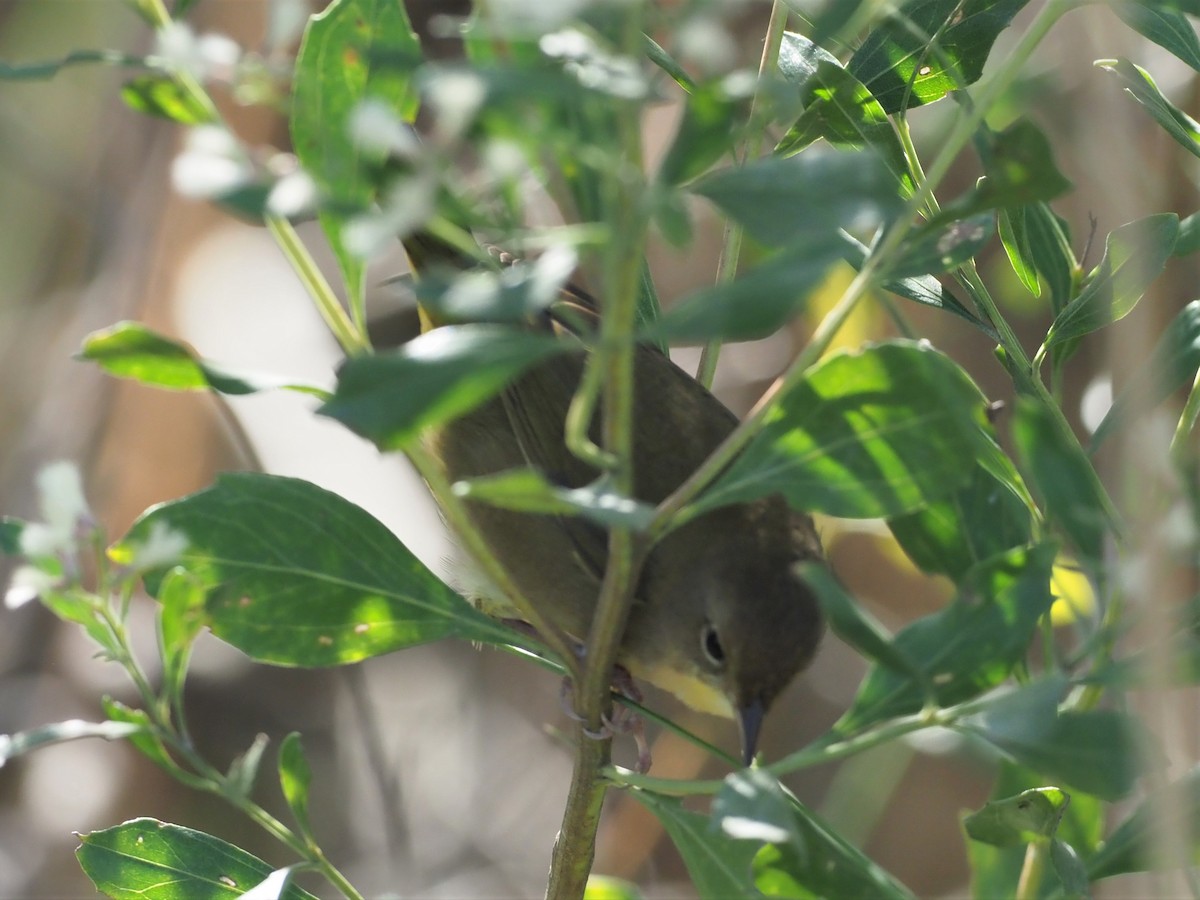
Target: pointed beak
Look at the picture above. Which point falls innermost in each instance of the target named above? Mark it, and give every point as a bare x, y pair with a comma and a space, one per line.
750, 719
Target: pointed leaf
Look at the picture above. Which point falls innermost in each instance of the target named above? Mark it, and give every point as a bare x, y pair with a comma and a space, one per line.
527, 490
940, 247
1037, 245
876, 433
1029, 816
180, 619
967, 648
391, 397
144, 859
1169, 28
243, 771
1140, 85
294, 778
898, 66
131, 350
22, 742
297, 576
163, 96
145, 740
1134, 255
705, 133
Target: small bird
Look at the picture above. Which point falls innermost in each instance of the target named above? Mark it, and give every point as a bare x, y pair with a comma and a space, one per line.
720, 616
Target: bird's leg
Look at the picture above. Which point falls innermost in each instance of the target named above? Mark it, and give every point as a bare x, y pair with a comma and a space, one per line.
625, 721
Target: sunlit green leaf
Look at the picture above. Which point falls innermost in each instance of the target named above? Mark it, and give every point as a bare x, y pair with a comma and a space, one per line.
603, 887
243, 771
1029, 816
390, 398
351, 51
144, 859
163, 96
181, 617
1140, 85
1037, 245
527, 490
1169, 28
295, 776
298, 576
131, 350
876, 433
902, 70
970, 646
145, 740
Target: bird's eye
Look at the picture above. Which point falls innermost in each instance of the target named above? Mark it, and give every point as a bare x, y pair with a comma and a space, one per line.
710, 643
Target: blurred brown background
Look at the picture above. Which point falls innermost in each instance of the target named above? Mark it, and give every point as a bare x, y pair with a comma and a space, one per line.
437, 772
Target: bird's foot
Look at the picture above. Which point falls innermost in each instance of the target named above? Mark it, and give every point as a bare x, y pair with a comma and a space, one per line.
623, 721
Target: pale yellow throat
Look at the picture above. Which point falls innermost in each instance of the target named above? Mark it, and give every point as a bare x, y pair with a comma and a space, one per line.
693, 690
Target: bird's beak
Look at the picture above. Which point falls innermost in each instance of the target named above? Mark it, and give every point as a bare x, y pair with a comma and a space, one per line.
750, 719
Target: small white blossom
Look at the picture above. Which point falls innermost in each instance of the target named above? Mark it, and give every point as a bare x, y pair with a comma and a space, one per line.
375, 127
211, 165
455, 98
293, 195
161, 547
27, 583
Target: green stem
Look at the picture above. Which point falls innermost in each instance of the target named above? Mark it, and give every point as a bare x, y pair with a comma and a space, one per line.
352, 341
1033, 870
732, 248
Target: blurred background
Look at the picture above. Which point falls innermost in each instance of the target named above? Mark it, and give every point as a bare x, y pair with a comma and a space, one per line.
440, 771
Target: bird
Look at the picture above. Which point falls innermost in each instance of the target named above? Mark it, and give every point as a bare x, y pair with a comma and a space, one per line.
721, 616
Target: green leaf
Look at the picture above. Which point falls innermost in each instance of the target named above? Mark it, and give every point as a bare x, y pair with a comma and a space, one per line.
705, 134
604, 887
516, 293
1189, 236
940, 247
1035, 240
855, 625
782, 202
1069, 868
22, 742
295, 776
353, 50
297, 576
1030, 816
949, 537
181, 618
163, 96
758, 302
144, 859
40, 71
661, 58
1169, 28
10, 535
131, 350
969, 647
1135, 846
1134, 255
876, 433
719, 866
1062, 474
243, 771
1172, 364
145, 740
391, 398
1140, 85
837, 107
527, 490
804, 856
79, 607
898, 65
1099, 751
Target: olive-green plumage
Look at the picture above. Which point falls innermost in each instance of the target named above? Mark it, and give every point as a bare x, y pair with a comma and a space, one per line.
719, 617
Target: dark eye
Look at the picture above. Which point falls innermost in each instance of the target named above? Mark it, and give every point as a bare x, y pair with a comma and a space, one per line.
710, 643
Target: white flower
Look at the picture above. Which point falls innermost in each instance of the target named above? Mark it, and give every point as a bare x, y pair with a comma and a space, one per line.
293, 195
211, 165
455, 98
161, 547
375, 127
28, 583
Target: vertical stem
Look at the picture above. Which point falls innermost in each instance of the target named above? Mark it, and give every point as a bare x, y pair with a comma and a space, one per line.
1033, 870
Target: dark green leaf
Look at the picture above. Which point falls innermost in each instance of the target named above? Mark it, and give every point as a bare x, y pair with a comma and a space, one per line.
163, 96
1030, 816
1188, 241
939, 247
1136, 844
902, 70
661, 58
705, 134
1069, 868
145, 859
876, 433
1172, 364
1099, 751
131, 350
39, 71
1140, 85
1134, 255
837, 107
1169, 28
856, 626
298, 576
22, 742
784, 201
758, 302
527, 490
390, 398
1063, 475
10, 535
967, 648
1036, 242
294, 778
719, 866
353, 50
978, 521
752, 806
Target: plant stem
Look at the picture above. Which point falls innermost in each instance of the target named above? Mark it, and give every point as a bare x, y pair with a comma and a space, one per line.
1033, 870
732, 248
